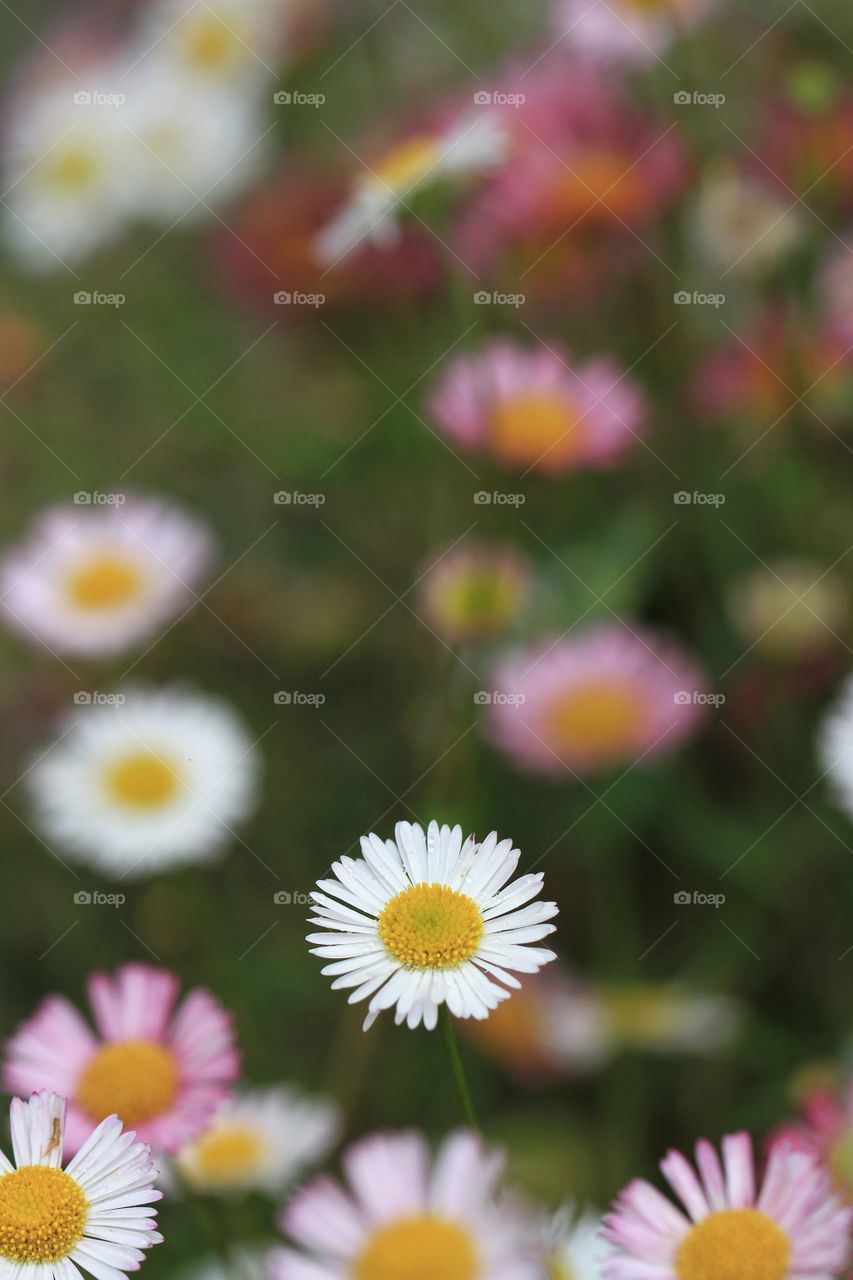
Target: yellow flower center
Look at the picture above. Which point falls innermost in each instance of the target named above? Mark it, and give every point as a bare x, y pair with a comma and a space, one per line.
422, 1248
133, 1079
405, 166
142, 780
734, 1244
71, 169
599, 720
42, 1214
224, 1157
643, 1013
104, 582
209, 44
557, 1269
429, 926
479, 601
535, 427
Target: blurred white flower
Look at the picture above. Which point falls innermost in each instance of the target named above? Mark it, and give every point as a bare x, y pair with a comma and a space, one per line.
153, 780
259, 1141
740, 224
218, 41
574, 1249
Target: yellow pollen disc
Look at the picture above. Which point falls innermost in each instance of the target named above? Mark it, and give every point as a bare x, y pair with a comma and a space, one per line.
599, 720
734, 1244
405, 165
209, 44
42, 1214
423, 1248
142, 780
555, 1269
135, 1079
70, 170
104, 582
429, 926
224, 1157
535, 427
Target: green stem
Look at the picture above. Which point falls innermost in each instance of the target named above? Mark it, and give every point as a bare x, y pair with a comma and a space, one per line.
457, 1071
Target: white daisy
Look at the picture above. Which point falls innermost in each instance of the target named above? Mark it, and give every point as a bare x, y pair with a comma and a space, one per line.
472, 145
95, 579
260, 1140
835, 747
403, 1216
195, 144
218, 41
66, 171
574, 1247
94, 1215
425, 919
154, 781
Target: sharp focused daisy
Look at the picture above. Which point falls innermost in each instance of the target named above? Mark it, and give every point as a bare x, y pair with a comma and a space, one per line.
793, 1228
259, 1140
835, 747
95, 1215
475, 591
633, 31
403, 1218
390, 182
574, 1249
156, 779
95, 579
538, 407
428, 919
162, 1070
600, 698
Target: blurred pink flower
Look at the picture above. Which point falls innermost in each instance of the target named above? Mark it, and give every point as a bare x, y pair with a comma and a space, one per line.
475, 591
538, 408
626, 31
835, 284
825, 1130
404, 1214
607, 696
162, 1070
793, 1228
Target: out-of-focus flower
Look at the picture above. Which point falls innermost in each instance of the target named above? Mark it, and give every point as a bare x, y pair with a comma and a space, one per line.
426, 919
586, 175
466, 148
626, 31
155, 778
218, 42
825, 1131
193, 145
260, 1140
22, 344
94, 1215
402, 1216
790, 609
269, 257
793, 1228
836, 291
558, 1025
162, 1070
248, 1264
808, 150
757, 378
574, 1249
538, 407
607, 696
94, 579
742, 224
475, 592
835, 746
68, 171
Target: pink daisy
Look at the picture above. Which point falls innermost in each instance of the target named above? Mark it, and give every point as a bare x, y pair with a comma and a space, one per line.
538, 408
794, 1228
626, 31
604, 697
162, 1070
825, 1131
406, 1217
